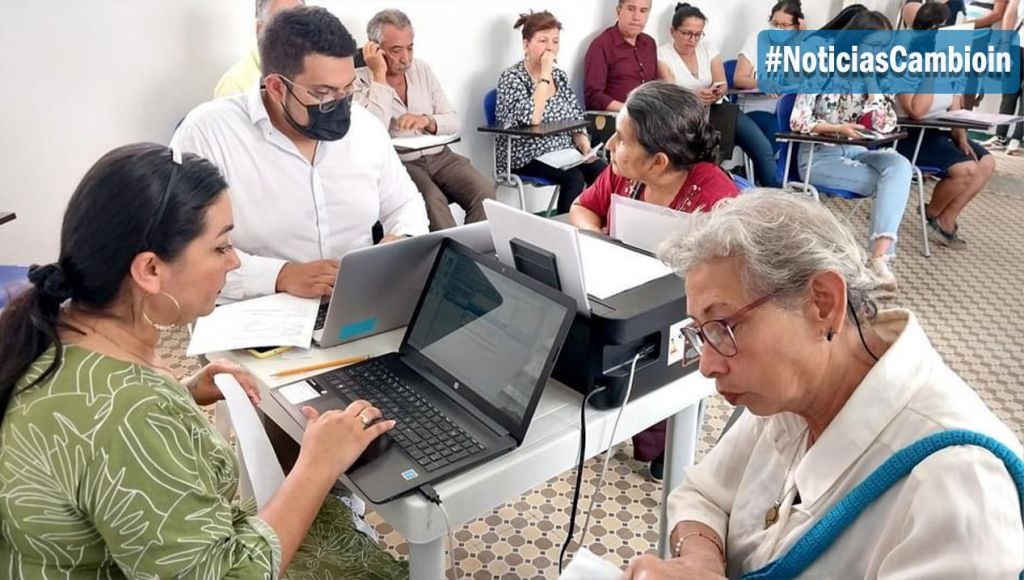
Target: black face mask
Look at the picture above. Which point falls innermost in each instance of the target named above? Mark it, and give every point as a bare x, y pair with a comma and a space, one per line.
329, 126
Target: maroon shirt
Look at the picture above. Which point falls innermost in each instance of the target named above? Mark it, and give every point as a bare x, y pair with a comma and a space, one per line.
613, 67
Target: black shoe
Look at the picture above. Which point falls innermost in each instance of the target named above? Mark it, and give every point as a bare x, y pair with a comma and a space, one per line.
948, 239
657, 468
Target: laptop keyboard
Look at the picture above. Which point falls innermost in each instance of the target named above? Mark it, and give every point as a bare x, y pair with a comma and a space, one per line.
321, 316
424, 432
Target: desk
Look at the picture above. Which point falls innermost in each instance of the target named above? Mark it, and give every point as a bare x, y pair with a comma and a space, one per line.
401, 150
550, 448
7, 216
814, 138
542, 130
932, 123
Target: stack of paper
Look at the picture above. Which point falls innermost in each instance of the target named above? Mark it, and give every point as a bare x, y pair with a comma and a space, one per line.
609, 269
979, 119
568, 158
276, 320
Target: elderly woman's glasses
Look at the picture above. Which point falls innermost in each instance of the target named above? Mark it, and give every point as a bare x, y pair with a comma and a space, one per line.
719, 332
327, 100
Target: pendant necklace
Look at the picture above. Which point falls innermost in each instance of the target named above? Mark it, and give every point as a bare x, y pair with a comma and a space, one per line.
772, 515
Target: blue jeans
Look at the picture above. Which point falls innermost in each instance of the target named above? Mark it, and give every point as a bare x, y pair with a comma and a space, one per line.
752, 141
768, 123
883, 174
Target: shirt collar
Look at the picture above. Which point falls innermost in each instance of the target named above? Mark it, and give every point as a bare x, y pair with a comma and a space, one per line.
254, 106
877, 400
620, 40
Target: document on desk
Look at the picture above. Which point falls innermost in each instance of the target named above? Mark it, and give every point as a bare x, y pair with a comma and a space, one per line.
644, 225
609, 269
568, 158
276, 320
422, 141
977, 118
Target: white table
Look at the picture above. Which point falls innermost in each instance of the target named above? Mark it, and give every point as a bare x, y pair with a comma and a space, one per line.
550, 447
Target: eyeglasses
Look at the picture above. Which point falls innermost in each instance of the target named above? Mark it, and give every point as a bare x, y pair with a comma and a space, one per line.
691, 35
327, 100
718, 333
782, 25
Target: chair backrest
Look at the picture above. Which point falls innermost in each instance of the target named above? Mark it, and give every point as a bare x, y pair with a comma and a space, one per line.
783, 111
740, 182
260, 468
491, 106
730, 71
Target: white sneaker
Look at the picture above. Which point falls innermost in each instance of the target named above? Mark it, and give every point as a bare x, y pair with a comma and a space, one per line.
880, 268
1014, 147
994, 142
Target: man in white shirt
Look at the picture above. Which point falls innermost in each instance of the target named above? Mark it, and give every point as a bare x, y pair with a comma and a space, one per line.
405, 95
310, 174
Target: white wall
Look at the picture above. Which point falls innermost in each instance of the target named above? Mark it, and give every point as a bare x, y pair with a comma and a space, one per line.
84, 76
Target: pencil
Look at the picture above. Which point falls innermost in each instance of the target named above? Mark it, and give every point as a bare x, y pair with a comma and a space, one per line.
341, 362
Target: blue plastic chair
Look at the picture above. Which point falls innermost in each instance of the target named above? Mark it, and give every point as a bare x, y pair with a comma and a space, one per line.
12, 280
730, 72
740, 182
787, 165
505, 176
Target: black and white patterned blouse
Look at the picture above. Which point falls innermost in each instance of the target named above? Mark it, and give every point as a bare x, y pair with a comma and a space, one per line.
515, 108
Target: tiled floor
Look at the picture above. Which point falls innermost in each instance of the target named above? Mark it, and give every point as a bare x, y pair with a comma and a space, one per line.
970, 302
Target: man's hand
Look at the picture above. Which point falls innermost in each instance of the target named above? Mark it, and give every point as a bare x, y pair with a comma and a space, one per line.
411, 122
963, 142
308, 280
391, 238
373, 54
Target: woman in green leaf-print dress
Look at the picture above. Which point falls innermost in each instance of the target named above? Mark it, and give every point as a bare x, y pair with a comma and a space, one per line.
108, 468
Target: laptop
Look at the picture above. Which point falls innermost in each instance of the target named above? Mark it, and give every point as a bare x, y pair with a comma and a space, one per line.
465, 381
379, 285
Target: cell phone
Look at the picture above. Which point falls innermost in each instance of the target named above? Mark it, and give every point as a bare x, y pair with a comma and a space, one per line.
267, 351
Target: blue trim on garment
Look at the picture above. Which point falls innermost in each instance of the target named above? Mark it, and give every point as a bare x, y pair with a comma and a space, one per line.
821, 536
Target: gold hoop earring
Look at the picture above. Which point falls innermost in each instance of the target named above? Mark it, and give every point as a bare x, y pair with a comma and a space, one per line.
162, 327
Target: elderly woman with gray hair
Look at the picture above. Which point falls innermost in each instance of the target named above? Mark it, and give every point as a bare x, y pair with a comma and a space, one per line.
785, 320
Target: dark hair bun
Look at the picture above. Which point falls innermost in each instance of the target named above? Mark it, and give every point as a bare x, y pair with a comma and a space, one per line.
50, 281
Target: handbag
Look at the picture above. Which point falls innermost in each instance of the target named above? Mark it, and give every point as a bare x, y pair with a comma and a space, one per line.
722, 116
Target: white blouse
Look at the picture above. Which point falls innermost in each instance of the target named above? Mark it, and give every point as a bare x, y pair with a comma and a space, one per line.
684, 77
957, 515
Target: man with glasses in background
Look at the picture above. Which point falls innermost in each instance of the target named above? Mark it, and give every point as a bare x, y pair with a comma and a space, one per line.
310, 173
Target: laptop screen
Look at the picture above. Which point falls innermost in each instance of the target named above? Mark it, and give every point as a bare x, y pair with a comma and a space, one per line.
491, 333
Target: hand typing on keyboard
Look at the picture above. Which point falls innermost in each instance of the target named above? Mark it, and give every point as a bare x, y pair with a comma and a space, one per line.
334, 440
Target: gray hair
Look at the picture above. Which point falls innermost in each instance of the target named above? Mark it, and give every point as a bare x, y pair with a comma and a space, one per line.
784, 239
670, 119
392, 16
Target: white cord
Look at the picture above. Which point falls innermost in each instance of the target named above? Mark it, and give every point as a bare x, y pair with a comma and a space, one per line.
451, 542
608, 451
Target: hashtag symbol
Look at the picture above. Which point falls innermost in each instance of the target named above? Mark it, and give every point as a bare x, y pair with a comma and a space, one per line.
773, 59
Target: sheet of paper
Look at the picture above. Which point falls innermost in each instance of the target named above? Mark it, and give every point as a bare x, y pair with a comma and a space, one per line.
979, 118
644, 225
422, 141
275, 320
568, 158
586, 565
609, 269
261, 464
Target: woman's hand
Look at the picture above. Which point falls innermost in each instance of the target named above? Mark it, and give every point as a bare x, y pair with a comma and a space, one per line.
849, 130
547, 65
334, 440
648, 567
964, 143
205, 391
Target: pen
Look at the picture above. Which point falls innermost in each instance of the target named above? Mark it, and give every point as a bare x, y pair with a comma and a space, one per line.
341, 362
